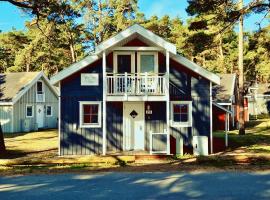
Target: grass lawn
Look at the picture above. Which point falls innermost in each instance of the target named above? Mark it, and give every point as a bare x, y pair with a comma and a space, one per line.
37, 153
256, 141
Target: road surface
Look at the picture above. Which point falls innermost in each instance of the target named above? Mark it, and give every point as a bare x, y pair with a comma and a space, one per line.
219, 185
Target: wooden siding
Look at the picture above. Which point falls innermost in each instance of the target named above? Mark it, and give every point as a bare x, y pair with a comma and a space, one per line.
76, 140
187, 86
114, 126
29, 98
6, 118
155, 122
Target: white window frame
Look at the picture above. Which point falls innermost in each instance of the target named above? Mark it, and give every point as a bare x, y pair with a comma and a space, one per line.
115, 60
43, 91
32, 107
97, 125
155, 54
51, 111
182, 124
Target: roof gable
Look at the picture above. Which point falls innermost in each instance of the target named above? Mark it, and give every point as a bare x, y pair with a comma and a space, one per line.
136, 29
225, 91
14, 85
131, 33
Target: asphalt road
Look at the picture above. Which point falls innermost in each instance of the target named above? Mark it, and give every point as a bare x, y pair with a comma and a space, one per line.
222, 185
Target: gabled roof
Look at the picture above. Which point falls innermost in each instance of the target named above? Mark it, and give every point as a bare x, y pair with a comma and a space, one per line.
136, 30
14, 85
224, 92
222, 108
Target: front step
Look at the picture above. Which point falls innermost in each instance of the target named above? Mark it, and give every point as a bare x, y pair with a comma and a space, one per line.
152, 158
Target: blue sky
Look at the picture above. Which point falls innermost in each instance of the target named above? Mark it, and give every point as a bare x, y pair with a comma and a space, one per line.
11, 17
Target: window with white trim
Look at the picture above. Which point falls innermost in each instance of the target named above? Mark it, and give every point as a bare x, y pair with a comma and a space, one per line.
181, 113
49, 111
147, 62
90, 114
29, 111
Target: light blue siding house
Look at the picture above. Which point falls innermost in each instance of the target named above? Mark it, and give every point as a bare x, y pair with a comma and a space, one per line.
28, 102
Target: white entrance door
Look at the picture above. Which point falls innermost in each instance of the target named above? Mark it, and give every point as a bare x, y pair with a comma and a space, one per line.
40, 116
133, 125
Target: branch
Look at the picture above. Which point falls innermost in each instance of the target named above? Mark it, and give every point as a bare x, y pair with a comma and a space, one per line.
20, 3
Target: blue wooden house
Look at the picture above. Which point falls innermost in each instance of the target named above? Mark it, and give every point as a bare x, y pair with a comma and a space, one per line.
133, 94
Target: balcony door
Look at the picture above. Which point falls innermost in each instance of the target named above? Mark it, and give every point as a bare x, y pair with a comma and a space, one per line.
124, 62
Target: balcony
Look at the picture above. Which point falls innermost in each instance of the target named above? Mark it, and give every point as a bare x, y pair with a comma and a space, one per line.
136, 84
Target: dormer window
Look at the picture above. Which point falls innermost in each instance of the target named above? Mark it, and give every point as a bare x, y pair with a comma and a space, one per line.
40, 94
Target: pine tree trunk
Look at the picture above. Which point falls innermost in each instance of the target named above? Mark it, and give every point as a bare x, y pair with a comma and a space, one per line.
241, 74
72, 51
2, 142
221, 54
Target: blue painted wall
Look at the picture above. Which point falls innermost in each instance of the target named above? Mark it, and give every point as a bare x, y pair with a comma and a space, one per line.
76, 140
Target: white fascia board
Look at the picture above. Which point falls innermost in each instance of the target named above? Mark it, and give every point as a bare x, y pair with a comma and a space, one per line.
197, 69
222, 108
139, 30
73, 68
6, 103
55, 91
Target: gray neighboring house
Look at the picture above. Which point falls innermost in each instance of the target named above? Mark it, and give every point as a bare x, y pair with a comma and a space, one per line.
259, 99
28, 102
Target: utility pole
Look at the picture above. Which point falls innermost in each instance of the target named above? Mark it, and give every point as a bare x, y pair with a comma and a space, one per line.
241, 72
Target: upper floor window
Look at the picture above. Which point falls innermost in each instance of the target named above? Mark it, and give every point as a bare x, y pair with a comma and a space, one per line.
124, 62
40, 94
39, 87
147, 62
181, 113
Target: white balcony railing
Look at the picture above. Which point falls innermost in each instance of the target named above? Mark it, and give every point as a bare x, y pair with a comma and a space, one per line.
136, 84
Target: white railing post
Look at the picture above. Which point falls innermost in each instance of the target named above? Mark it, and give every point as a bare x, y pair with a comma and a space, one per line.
151, 142
126, 84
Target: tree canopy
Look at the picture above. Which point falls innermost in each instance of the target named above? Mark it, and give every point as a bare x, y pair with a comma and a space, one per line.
63, 32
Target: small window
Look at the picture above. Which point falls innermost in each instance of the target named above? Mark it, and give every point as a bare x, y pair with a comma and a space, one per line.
181, 114
29, 111
39, 87
90, 114
48, 111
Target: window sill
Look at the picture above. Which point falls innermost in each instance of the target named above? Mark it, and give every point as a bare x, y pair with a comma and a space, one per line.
181, 125
90, 126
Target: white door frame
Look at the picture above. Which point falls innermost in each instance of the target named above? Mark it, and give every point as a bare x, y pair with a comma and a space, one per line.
124, 124
42, 106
